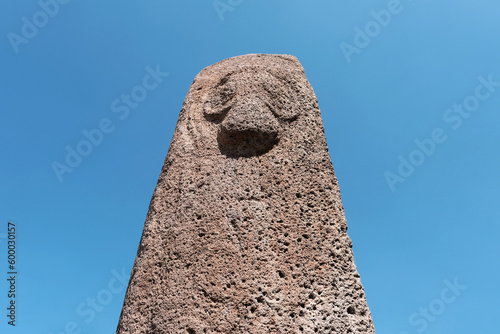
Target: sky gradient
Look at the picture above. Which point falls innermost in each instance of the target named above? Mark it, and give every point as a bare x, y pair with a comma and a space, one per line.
410, 97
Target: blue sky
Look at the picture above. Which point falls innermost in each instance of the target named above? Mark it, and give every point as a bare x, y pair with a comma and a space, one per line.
410, 97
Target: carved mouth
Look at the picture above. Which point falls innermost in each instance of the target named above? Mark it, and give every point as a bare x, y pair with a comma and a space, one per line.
245, 143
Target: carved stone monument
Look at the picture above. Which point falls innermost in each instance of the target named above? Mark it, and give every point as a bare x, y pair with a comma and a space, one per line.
246, 231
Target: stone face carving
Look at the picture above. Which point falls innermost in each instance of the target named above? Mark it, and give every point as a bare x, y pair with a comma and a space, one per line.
251, 108
246, 231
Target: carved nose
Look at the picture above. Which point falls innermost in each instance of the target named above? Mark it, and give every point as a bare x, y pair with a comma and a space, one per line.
249, 128
250, 114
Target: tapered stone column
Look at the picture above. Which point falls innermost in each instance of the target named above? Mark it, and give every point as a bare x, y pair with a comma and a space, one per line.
246, 231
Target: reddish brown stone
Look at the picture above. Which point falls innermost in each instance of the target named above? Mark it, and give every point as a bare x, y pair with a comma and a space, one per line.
246, 231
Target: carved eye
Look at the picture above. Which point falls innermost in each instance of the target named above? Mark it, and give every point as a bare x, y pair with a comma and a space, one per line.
217, 105
282, 98
227, 93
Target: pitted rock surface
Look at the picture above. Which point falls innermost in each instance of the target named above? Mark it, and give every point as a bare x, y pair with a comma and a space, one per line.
246, 232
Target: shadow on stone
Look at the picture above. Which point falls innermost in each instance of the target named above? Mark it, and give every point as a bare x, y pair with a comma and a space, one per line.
247, 143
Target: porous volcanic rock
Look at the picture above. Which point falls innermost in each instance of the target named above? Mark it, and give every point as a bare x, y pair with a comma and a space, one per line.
246, 232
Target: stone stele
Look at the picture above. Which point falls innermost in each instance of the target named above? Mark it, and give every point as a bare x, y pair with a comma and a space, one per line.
246, 232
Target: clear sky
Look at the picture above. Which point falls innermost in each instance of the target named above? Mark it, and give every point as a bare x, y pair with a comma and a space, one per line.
410, 97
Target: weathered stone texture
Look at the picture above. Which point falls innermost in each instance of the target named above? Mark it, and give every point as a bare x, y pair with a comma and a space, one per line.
246, 231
